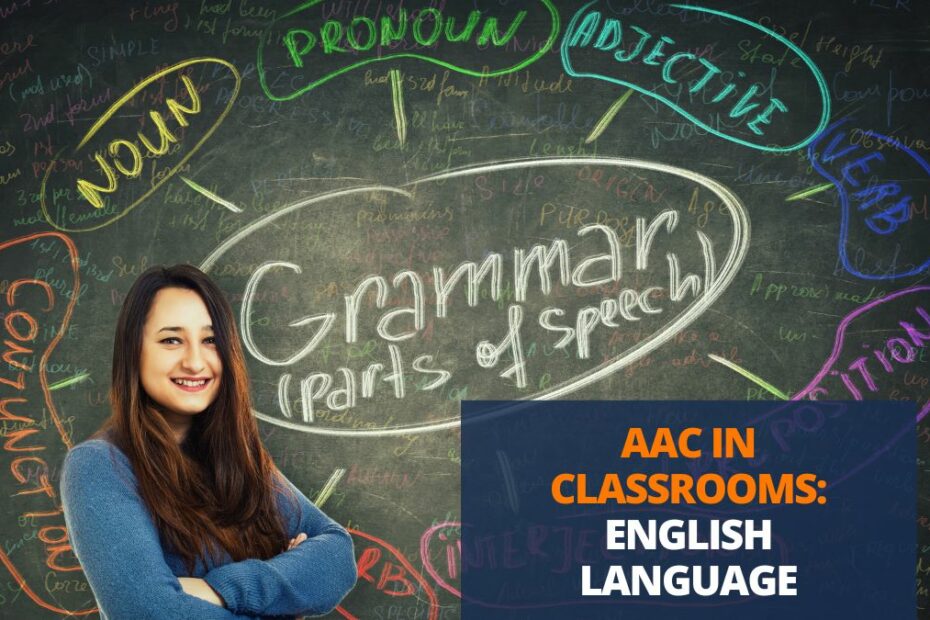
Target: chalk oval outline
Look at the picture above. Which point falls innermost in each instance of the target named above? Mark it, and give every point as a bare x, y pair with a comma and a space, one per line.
845, 207
815, 71
260, 66
737, 252
73, 258
420, 579
839, 342
113, 108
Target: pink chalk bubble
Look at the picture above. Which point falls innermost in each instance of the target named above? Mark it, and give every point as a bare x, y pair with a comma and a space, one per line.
813, 389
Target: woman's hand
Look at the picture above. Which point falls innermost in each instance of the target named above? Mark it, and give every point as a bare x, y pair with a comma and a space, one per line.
296, 541
201, 589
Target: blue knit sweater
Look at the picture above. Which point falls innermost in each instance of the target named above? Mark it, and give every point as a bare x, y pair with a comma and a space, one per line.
134, 577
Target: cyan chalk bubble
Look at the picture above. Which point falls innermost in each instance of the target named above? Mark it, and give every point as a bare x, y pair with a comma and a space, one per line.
736, 97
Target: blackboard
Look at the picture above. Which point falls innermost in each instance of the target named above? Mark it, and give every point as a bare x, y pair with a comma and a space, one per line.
414, 203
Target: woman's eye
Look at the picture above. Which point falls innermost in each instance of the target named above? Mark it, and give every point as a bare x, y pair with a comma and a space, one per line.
210, 340
170, 340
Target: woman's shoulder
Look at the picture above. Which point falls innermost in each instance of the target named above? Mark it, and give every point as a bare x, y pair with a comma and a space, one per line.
97, 459
98, 444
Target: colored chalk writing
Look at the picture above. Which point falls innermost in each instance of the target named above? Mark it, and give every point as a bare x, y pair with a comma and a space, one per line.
739, 97
873, 187
125, 156
391, 37
412, 205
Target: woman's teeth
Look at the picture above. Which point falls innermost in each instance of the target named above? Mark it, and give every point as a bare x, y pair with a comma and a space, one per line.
190, 383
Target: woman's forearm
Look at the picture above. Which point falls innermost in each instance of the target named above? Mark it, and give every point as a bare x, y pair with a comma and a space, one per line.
202, 590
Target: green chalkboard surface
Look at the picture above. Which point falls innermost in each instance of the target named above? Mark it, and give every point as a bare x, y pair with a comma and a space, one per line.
414, 203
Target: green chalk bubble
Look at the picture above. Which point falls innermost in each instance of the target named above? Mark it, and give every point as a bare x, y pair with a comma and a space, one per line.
362, 34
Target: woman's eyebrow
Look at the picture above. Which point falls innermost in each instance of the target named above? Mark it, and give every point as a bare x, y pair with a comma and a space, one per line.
180, 329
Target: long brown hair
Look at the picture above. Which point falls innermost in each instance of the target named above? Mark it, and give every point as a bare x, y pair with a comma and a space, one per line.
216, 489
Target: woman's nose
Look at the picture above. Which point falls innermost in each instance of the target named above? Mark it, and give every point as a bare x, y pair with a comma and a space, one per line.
193, 358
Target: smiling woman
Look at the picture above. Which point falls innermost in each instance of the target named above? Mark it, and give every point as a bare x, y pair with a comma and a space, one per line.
180, 368
174, 508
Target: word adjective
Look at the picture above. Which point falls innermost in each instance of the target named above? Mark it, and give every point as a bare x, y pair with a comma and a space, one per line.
589, 29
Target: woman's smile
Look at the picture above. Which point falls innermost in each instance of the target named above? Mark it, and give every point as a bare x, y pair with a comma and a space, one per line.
191, 384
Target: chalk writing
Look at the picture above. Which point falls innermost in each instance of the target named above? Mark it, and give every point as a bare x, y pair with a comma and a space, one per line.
879, 358
379, 37
383, 567
24, 436
589, 28
125, 154
883, 206
401, 301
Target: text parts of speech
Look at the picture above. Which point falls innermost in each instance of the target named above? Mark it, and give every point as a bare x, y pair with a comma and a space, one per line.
132, 157
676, 64
314, 48
410, 320
877, 187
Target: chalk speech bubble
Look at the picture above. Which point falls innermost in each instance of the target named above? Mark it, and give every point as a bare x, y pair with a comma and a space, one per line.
427, 553
116, 176
607, 35
361, 218
882, 209
35, 309
875, 362
313, 41
868, 360
383, 567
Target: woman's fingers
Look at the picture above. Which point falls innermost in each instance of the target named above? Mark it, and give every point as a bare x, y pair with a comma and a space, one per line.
296, 541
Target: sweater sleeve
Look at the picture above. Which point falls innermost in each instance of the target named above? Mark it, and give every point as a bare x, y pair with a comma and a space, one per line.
117, 543
309, 579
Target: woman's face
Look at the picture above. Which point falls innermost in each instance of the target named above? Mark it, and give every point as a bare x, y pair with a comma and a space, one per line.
180, 367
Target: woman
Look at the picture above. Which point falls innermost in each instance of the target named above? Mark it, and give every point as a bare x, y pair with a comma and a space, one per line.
174, 508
